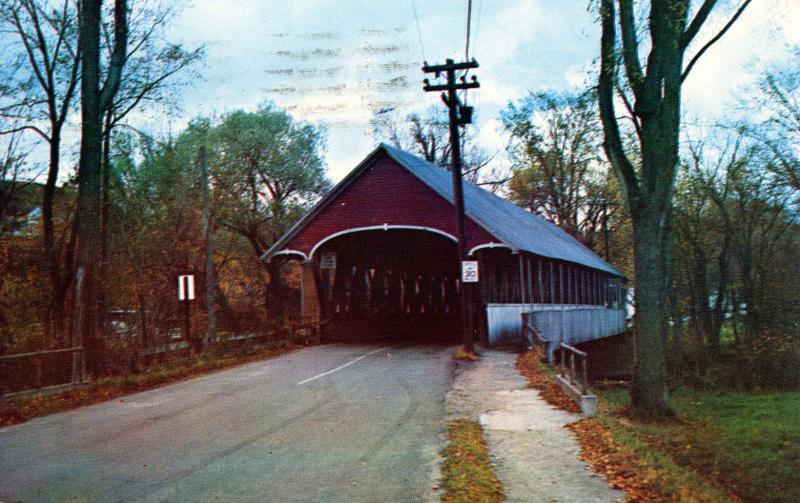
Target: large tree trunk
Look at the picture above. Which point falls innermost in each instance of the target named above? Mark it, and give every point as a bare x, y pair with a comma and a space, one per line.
94, 102
649, 392
105, 212
89, 168
677, 346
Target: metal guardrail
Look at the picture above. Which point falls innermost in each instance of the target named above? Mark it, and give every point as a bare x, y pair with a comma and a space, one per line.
75, 371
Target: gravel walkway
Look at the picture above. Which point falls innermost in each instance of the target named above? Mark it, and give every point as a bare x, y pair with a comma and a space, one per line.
535, 457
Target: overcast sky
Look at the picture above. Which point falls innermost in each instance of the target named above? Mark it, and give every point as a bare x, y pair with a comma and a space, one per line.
337, 61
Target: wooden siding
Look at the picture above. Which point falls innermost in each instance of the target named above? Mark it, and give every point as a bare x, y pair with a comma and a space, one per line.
385, 194
508, 278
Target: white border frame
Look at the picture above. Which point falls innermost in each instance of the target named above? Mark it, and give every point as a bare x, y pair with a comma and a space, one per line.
288, 252
384, 227
489, 245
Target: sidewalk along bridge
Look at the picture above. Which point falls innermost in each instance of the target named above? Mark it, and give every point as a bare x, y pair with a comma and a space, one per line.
379, 260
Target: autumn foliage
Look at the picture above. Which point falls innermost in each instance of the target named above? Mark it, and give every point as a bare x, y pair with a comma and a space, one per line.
529, 364
468, 476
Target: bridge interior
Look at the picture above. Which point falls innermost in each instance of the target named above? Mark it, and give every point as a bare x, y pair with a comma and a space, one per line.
397, 285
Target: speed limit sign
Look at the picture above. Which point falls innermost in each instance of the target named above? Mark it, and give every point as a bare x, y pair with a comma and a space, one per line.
469, 271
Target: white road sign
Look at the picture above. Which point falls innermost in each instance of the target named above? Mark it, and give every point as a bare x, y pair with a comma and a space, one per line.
469, 271
186, 287
327, 261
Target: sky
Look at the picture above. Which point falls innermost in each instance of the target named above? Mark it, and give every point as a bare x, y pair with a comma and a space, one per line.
336, 62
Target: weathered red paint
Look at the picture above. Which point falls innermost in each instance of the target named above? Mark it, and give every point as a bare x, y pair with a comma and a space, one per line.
386, 193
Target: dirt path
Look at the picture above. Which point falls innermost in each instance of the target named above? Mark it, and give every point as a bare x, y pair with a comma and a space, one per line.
536, 458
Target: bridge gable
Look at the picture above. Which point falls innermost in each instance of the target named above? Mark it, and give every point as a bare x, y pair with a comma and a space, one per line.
384, 194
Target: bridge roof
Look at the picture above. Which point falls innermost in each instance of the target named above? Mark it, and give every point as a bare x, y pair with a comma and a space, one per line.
511, 225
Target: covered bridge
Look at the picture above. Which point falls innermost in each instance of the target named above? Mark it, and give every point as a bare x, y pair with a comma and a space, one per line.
379, 260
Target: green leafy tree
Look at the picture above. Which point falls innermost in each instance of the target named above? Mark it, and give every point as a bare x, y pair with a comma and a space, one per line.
266, 167
556, 170
651, 95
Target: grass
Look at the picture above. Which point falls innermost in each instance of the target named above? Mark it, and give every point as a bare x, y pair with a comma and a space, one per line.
21, 408
747, 443
467, 473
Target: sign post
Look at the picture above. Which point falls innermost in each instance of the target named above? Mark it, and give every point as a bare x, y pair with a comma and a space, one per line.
186, 295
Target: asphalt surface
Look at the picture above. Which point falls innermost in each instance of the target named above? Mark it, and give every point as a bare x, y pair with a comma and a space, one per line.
337, 423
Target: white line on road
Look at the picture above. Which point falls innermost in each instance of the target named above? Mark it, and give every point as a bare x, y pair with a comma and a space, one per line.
342, 366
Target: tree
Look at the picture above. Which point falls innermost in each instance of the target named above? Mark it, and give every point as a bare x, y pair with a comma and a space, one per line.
96, 99
779, 93
703, 235
151, 74
427, 135
556, 171
12, 170
266, 167
40, 90
651, 94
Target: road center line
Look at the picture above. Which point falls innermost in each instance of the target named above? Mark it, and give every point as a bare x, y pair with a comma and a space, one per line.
342, 366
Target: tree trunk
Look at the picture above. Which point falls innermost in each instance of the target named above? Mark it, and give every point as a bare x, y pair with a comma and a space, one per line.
143, 326
94, 102
55, 308
105, 210
648, 391
676, 349
210, 283
89, 175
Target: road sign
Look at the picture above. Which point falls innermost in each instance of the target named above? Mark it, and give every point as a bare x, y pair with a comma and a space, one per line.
327, 261
469, 271
186, 287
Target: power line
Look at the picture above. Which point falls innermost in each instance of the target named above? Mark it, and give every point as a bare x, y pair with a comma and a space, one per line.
477, 30
419, 31
469, 22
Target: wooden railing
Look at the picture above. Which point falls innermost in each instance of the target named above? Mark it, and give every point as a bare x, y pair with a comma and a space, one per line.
532, 333
22, 378
573, 377
572, 352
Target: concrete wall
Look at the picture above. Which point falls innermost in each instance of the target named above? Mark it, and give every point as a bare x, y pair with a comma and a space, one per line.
568, 323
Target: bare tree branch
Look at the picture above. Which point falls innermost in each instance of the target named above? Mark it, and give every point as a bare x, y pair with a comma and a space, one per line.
714, 40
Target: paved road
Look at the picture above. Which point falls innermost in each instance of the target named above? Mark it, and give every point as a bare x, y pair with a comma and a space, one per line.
327, 424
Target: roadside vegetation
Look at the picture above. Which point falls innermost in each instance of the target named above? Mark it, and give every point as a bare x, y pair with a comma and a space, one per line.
719, 445
745, 442
467, 472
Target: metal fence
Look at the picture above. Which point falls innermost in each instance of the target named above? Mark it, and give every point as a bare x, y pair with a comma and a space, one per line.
40, 370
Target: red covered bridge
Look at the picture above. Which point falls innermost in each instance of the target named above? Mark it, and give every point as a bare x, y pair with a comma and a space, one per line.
379, 260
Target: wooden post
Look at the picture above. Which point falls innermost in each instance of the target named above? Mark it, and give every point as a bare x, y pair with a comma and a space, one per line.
310, 308
38, 360
187, 322
585, 373
571, 367
459, 115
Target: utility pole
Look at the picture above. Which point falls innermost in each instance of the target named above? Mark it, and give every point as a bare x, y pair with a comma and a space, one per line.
211, 334
460, 115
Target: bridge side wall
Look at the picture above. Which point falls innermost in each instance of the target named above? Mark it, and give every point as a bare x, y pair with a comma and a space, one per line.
569, 323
